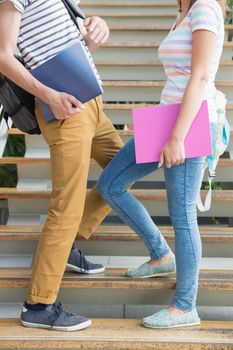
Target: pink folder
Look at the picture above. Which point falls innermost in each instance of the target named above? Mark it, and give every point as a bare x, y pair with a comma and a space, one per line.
153, 127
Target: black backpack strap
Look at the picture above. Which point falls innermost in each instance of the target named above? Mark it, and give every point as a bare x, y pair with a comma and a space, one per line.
74, 11
6, 118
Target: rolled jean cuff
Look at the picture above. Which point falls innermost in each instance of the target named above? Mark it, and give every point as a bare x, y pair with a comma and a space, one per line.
177, 306
161, 255
41, 300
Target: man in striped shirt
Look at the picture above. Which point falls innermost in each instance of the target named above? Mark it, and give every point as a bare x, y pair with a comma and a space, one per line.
41, 29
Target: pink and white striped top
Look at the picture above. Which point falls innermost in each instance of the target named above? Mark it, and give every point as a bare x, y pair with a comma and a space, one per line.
175, 52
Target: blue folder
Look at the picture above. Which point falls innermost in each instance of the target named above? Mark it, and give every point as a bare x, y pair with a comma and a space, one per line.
71, 71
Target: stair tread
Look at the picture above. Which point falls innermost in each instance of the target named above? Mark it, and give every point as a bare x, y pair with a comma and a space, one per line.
212, 234
147, 83
135, 14
29, 160
37, 160
14, 131
144, 44
113, 278
123, 106
129, 4
149, 27
142, 194
142, 63
117, 334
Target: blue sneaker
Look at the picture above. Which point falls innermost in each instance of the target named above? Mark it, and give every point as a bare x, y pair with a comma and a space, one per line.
164, 319
147, 271
54, 317
78, 263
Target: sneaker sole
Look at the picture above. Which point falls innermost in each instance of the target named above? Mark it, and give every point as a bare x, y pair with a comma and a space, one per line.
77, 327
174, 326
82, 271
154, 275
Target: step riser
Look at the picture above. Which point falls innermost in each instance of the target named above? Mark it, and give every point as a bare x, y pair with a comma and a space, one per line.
32, 171
119, 53
150, 73
155, 208
145, 94
42, 145
119, 296
92, 247
125, 116
139, 20
122, 311
152, 10
139, 35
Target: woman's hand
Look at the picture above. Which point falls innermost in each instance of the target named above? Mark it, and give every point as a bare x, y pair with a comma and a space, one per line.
173, 153
97, 32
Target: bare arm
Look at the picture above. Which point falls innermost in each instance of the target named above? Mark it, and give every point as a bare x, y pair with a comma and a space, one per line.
202, 51
60, 103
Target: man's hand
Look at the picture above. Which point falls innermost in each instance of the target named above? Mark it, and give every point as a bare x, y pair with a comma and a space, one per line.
63, 105
97, 32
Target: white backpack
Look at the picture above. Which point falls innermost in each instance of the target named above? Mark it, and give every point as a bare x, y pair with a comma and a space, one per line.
220, 132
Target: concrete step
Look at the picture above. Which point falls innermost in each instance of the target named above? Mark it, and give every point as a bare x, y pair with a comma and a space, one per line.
119, 335
148, 70
210, 313
31, 167
34, 192
146, 49
35, 142
144, 7
32, 200
215, 284
24, 261
146, 32
134, 16
148, 91
114, 277
217, 240
119, 233
121, 113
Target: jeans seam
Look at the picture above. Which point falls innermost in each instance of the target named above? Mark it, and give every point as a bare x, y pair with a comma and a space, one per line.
125, 213
175, 303
33, 278
185, 203
145, 237
187, 216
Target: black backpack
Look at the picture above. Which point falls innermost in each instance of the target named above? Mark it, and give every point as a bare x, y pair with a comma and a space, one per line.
19, 104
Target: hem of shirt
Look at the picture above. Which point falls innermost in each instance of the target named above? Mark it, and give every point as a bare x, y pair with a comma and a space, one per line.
204, 27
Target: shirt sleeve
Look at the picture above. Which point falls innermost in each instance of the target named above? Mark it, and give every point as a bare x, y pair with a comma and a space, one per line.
205, 15
19, 4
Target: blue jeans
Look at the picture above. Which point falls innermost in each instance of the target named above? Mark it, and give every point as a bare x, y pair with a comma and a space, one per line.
182, 185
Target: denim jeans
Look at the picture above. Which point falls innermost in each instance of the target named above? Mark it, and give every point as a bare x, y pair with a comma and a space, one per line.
182, 185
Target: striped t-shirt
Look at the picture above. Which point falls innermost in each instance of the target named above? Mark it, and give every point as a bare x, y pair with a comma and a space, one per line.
46, 29
175, 51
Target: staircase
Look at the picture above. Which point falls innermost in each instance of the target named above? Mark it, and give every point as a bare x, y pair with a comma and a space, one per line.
132, 76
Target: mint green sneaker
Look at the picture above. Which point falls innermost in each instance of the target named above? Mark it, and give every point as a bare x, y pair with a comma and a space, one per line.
147, 271
163, 319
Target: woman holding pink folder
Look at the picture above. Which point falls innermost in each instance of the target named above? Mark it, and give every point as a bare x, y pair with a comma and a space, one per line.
190, 54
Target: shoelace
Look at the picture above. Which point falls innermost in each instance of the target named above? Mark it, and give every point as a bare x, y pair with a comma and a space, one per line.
58, 312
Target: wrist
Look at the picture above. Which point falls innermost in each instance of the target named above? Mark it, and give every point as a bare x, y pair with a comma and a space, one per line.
46, 95
177, 138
